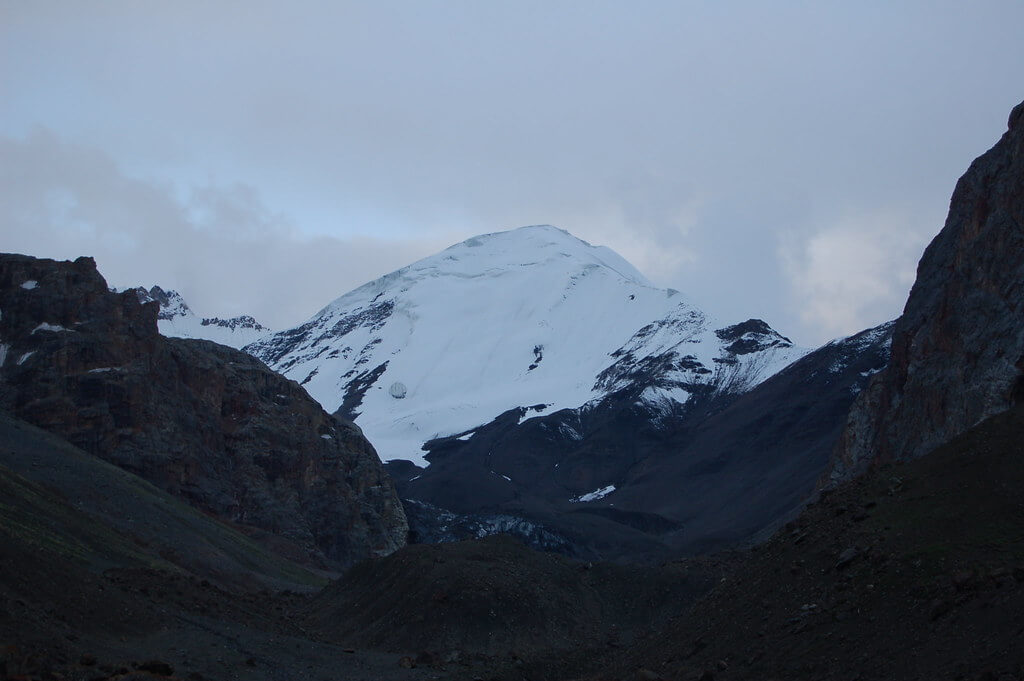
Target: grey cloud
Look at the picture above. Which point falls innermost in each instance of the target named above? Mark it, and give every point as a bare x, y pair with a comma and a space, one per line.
859, 268
711, 143
220, 246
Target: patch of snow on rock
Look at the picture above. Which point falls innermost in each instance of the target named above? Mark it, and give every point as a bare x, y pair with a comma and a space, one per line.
664, 399
595, 495
569, 431
49, 327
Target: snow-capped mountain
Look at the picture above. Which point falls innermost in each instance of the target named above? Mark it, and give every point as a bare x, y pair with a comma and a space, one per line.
176, 319
532, 318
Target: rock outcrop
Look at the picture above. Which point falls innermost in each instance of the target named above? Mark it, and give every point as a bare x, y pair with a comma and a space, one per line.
958, 348
200, 420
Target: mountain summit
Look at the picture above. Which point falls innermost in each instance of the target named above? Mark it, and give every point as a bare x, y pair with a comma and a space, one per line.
531, 318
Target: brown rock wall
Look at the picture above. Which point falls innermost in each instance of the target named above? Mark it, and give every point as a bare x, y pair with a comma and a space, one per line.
958, 348
201, 420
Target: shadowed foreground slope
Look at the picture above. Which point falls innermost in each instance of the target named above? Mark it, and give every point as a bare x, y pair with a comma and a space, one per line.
496, 596
915, 571
100, 569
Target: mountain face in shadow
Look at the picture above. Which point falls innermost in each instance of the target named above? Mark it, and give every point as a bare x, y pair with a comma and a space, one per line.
203, 421
958, 348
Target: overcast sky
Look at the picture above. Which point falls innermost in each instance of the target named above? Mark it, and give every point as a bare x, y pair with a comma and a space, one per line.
782, 160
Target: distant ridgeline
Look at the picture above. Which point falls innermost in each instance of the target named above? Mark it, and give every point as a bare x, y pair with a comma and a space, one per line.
176, 319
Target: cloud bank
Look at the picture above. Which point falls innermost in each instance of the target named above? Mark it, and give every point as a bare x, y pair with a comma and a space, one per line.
266, 157
220, 247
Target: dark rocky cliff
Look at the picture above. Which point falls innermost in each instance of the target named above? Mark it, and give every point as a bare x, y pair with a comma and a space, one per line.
200, 420
958, 348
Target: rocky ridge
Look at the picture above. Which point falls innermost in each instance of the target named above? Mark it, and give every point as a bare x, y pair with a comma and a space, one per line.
958, 348
203, 421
